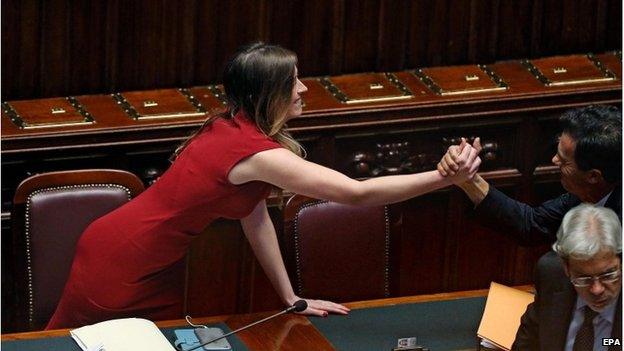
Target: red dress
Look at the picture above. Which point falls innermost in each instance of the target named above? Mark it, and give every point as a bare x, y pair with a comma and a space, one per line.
127, 263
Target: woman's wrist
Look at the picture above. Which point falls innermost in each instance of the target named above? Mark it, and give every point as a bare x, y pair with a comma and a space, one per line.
444, 181
290, 300
287, 295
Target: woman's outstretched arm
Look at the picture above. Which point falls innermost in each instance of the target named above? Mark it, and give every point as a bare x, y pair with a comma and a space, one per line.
261, 235
290, 172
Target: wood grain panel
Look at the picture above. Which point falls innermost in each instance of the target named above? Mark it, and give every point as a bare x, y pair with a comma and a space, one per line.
305, 24
285, 333
21, 71
481, 253
393, 30
360, 35
216, 257
55, 30
62, 47
548, 132
521, 270
483, 32
238, 23
224, 275
458, 31
86, 67
8, 295
571, 26
514, 40
613, 29
10, 56
207, 49
421, 245
427, 36
151, 31
182, 60
109, 62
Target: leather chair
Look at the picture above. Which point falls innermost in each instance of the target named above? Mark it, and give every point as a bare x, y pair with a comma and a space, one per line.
50, 213
336, 251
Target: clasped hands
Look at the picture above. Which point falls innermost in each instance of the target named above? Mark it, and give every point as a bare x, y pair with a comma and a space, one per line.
461, 162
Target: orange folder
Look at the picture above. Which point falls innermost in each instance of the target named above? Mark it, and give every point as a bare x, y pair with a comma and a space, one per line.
501, 317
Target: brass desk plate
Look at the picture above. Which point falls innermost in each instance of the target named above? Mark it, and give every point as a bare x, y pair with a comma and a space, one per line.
160, 104
460, 80
47, 113
366, 87
569, 70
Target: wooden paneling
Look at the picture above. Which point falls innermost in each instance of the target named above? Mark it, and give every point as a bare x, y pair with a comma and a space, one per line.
421, 245
573, 26
63, 47
393, 21
361, 27
612, 31
303, 26
484, 30
56, 24
21, 49
8, 278
481, 254
88, 20
223, 253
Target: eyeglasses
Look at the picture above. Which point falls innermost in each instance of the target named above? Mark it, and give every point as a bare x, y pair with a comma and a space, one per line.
606, 278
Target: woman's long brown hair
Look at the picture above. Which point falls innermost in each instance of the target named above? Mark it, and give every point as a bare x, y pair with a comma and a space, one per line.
259, 80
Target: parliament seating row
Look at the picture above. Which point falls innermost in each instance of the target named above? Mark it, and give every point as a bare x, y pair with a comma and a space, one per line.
363, 125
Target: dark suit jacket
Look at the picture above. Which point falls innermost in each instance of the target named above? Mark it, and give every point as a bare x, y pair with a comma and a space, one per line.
544, 325
533, 225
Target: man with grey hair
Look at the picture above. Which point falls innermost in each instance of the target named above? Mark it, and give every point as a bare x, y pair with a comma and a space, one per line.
578, 305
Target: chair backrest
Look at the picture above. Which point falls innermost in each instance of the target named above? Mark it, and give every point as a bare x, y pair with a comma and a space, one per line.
51, 211
336, 251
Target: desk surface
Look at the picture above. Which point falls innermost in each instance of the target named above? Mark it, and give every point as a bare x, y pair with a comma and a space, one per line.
373, 325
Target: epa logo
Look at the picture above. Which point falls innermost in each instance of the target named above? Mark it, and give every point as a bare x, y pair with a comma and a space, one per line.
611, 342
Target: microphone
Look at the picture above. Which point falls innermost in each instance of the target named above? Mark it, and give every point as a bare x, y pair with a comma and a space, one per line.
298, 306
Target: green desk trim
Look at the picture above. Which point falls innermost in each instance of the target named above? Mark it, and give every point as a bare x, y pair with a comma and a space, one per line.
438, 325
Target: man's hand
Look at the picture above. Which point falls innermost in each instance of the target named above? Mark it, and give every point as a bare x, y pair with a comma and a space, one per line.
462, 165
475, 187
450, 162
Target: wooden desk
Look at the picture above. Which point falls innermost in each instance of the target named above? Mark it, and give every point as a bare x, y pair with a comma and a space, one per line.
294, 332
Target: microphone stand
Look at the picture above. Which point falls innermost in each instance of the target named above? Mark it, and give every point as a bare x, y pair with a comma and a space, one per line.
296, 307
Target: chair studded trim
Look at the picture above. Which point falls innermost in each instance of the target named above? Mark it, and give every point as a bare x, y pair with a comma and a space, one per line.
387, 253
297, 243
27, 232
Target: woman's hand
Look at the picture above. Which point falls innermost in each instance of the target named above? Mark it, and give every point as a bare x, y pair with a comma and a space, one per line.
460, 159
322, 308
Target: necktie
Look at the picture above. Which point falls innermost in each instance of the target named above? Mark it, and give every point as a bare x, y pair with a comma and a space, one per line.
584, 340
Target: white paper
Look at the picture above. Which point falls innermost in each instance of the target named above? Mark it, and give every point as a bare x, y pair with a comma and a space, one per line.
121, 334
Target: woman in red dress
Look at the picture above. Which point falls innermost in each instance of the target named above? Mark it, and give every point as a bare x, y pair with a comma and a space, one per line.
126, 263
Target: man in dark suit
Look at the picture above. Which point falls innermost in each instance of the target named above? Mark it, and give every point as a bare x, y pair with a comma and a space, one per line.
578, 304
589, 155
